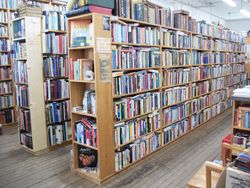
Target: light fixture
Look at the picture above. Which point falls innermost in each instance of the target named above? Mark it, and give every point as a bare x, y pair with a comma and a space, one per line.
245, 12
230, 3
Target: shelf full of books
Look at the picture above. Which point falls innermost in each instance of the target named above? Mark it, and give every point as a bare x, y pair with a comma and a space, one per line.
164, 76
7, 104
28, 76
56, 77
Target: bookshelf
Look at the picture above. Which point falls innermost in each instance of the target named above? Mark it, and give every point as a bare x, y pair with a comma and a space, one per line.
28, 73
247, 50
7, 112
209, 64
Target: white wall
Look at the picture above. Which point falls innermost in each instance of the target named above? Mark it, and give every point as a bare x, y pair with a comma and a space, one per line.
241, 26
194, 12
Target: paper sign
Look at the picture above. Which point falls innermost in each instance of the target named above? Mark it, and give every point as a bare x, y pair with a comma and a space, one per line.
105, 74
103, 45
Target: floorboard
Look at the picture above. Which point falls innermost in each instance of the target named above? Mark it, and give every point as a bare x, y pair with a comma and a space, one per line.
172, 166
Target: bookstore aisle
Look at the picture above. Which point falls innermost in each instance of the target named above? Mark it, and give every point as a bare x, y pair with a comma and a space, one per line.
181, 159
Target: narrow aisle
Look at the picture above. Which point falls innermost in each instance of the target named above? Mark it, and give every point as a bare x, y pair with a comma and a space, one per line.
173, 166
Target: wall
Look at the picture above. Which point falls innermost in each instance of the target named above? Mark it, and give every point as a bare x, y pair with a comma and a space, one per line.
194, 12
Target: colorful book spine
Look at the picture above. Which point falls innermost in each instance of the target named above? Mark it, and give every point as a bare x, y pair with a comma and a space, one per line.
22, 96
4, 45
55, 67
25, 121
200, 103
59, 133
200, 73
134, 34
174, 77
5, 73
174, 131
19, 50
54, 44
19, 29
5, 59
127, 132
203, 43
201, 58
20, 73
219, 58
3, 16
218, 83
26, 139
133, 57
56, 89
7, 116
89, 102
5, 87
173, 58
53, 21
6, 101
171, 38
3, 31
176, 113
135, 82
175, 95
136, 150
127, 108
200, 88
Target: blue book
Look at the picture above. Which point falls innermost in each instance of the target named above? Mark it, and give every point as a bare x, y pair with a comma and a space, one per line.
246, 120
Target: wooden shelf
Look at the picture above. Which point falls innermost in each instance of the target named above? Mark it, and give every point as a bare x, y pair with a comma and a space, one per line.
167, 106
4, 23
135, 69
55, 31
6, 108
81, 48
4, 94
83, 114
94, 148
135, 93
4, 37
177, 85
242, 128
83, 81
5, 80
19, 39
21, 59
132, 44
5, 65
57, 100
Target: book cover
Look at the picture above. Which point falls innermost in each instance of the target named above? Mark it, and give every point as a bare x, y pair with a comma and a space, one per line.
87, 157
79, 32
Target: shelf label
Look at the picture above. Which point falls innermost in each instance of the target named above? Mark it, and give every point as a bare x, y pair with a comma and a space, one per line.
105, 74
103, 45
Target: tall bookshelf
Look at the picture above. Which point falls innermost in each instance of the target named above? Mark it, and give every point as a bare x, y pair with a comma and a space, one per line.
28, 73
144, 107
8, 115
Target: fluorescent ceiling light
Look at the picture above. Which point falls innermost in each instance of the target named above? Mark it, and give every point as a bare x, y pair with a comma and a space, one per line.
245, 12
230, 3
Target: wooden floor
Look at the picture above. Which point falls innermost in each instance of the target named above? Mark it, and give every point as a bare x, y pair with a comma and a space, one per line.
170, 167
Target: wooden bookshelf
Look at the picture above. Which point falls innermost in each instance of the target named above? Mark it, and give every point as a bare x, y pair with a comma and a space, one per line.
106, 118
36, 108
8, 37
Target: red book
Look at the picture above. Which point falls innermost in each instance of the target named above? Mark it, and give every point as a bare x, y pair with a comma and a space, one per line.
60, 43
71, 69
101, 10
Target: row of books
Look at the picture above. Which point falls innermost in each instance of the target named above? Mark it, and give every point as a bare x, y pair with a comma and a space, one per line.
86, 131
3, 31
3, 16
243, 162
22, 95
55, 67
20, 73
176, 58
19, 50
57, 112
5, 87
5, 73
134, 34
155, 14
19, 29
56, 89
130, 107
136, 150
171, 38
241, 139
89, 102
199, 73
218, 83
242, 117
4, 45
53, 21
13, 4
6, 101
200, 88
175, 130
5, 59
7, 116
81, 69
126, 83
174, 77
201, 103
54, 44
59, 133
175, 95
45, 6
231, 80
24, 120
126, 132
176, 113
26, 139
135, 57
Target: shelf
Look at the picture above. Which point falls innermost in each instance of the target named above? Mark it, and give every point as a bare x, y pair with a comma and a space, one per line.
10, 124
202, 80
201, 95
26, 84
139, 137
56, 100
176, 66
51, 54
7, 108
177, 85
4, 94
242, 128
167, 106
91, 147
19, 39
135, 93
5, 65
90, 176
55, 31
84, 114
56, 78
4, 23
177, 48
4, 37
81, 48
203, 50
24, 107
132, 44
135, 117
5, 80
20, 59
83, 81
4, 51
4, 9
48, 124
135, 69
169, 124
200, 65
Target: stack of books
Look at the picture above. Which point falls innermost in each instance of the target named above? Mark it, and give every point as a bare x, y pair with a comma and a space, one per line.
26, 10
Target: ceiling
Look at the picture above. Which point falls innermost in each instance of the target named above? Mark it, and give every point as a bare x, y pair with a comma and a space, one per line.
220, 8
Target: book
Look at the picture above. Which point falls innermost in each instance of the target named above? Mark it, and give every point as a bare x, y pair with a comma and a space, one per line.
133, 82
22, 95
181, 19
7, 116
19, 50
89, 9
133, 57
129, 107
202, 58
3, 16
58, 133
176, 58
87, 158
20, 72
53, 21
19, 29
89, 102
25, 121
200, 73
81, 69
81, 33
242, 117
86, 132
200, 88
57, 112
26, 139
5, 73
5, 59
173, 77
3, 31
55, 67
4, 45
172, 38
56, 89
5, 87
200, 103
54, 44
